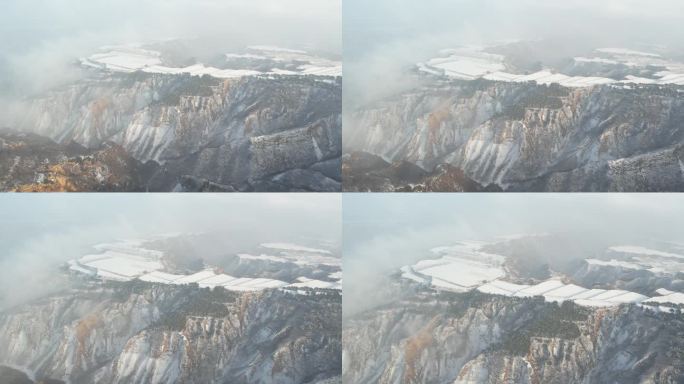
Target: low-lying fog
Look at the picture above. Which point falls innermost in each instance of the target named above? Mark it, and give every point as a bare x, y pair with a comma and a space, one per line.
38, 233
383, 232
41, 40
384, 39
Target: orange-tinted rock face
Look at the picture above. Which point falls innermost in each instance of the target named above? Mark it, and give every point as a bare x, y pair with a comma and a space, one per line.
162, 334
528, 137
33, 164
414, 347
474, 338
252, 133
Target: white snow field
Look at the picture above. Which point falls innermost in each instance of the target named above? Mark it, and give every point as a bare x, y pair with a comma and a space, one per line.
642, 258
556, 291
627, 52
132, 58
336, 275
464, 267
295, 253
644, 251
472, 62
305, 282
295, 258
663, 291
293, 247
460, 268
614, 263
128, 260
116, 263
124, 59
673, 298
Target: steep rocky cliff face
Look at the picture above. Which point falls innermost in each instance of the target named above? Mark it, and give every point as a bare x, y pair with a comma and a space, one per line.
475, 338
250, 133
33, 163
145, 333
529, 137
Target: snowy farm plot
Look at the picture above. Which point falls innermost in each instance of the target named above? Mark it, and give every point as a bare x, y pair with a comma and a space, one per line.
464, 267
472, 62
132, 58
125, 261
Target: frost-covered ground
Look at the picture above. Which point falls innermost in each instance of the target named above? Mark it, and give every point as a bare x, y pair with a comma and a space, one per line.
134, 58
460, 268
465, 267
128, 260
556, 291
293, 253
472, 62
641, 258
294, 247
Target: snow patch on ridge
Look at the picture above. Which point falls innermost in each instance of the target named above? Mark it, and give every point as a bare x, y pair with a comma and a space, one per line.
464, 267
129, 58
294, 247
127, 260
644, 251
472, 62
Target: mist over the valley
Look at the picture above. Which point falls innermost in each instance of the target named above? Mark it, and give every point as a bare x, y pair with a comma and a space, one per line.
41, 40
383, 232
385, 39
39, 233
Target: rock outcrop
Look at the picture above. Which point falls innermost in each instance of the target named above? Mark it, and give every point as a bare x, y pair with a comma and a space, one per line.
249, 133
476, 338
530, 137
139, 332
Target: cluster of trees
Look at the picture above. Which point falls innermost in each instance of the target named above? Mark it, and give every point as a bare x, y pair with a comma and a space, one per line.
122, 290
539, 96
550, 320
196, 301
458, 303
187, 85
318, 292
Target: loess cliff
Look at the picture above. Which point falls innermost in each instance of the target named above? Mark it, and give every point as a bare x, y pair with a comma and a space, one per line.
524, 137
476, 338
138, 332
253, 133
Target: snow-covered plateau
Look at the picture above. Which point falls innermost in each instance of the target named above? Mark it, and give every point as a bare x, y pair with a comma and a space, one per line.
148, 118
465, 267
128, 260
522, 310
516, 118
131, 58
144, 312
473, 62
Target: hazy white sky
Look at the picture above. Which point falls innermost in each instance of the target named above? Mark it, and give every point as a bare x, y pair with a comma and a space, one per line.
383, 38
41, 39
25, 23
24, 218
441, 216
372, 24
